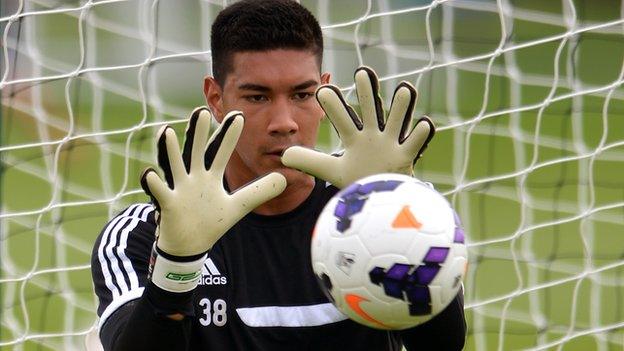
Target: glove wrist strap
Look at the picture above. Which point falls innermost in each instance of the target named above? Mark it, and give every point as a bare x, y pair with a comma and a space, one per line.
175, 274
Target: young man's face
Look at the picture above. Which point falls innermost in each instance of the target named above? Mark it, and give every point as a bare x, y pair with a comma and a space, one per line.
275, 91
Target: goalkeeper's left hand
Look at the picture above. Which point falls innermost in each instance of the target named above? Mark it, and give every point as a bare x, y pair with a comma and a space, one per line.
371, 144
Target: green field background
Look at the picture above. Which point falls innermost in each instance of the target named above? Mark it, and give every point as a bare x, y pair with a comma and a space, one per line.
534, 165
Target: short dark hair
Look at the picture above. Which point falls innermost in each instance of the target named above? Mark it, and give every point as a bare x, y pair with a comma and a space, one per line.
261, 25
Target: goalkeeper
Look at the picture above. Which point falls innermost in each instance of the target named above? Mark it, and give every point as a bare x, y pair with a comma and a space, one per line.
220, 259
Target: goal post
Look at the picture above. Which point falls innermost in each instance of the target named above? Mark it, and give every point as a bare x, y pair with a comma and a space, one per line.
527, 97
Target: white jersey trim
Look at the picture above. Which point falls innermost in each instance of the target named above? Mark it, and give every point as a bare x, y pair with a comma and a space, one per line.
118, 302
115, 239
290, 316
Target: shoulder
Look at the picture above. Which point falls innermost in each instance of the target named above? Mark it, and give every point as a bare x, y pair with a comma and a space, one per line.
136, 216
141, 211
133, 227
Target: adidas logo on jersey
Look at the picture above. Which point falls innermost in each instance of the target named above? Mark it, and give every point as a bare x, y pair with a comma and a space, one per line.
210, 275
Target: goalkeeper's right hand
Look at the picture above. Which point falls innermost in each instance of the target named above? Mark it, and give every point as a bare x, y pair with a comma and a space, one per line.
194, 210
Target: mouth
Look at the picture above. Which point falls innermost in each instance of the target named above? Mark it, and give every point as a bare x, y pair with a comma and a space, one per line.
278, 151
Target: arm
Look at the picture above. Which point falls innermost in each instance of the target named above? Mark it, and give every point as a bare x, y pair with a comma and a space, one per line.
193, 210
119, 266
137, 325
446, 331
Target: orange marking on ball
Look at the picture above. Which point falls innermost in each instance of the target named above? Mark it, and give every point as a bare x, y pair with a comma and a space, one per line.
354, 302
406, 219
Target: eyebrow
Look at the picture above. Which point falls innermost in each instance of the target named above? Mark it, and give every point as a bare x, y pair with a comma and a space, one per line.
305, 85
264, 89
256, 87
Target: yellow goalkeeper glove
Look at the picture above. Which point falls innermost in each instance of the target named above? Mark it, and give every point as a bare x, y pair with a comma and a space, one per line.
371, 144
194, 209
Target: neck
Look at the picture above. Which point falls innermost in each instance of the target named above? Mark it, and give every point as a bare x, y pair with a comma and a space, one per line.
296, 192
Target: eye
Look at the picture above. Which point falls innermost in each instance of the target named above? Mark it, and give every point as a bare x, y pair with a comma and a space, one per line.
255, 98
302, 96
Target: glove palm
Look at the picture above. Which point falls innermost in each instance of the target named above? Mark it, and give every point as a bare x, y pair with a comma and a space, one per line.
194, 208
371, 145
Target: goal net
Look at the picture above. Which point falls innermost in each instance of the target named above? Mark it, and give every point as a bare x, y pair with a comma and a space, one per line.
526, 95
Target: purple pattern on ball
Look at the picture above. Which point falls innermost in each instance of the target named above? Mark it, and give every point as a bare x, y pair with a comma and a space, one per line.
420, 300
354, 207
367, 188
388, 185
419, 309
418, 294
398, 271
393, 288
353, 197
436, 255
343, 224
398, 284
459, 235
459, 231
341, 209
394, 281
376, 275
423, 275
349, 190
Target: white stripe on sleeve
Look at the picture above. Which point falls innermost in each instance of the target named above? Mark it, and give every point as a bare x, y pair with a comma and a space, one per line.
123, 244
115, 240
103, 260
118, 279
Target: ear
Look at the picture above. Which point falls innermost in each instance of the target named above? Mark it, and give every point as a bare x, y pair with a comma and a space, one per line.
325, 78
214, 97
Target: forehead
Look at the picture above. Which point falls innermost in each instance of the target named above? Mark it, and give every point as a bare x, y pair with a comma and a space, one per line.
276, 69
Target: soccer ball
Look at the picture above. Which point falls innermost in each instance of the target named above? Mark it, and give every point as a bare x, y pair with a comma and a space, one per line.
389, 251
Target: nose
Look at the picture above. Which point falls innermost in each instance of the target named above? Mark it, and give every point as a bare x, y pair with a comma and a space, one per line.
282, 118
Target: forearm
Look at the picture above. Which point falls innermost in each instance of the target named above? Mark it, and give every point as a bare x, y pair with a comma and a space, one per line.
446, 331
147, 323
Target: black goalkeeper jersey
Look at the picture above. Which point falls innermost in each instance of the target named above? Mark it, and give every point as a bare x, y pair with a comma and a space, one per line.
257, 289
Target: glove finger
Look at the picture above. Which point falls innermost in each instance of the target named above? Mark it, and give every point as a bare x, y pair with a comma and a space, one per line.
223, 141
163, 155
340, 114
417, 141
201, 135
175, 156
197, 132
367, 89
154, 187
310, 161
400, 116
258, 192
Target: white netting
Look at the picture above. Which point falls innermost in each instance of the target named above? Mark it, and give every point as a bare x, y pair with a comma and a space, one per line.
527, 96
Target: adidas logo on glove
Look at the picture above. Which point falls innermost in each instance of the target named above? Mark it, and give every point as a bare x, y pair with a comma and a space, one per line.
210, 275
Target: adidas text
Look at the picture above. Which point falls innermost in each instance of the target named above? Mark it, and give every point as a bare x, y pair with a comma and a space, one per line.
212, 280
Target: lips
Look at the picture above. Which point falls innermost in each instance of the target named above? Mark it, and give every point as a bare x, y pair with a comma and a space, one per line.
277, 151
